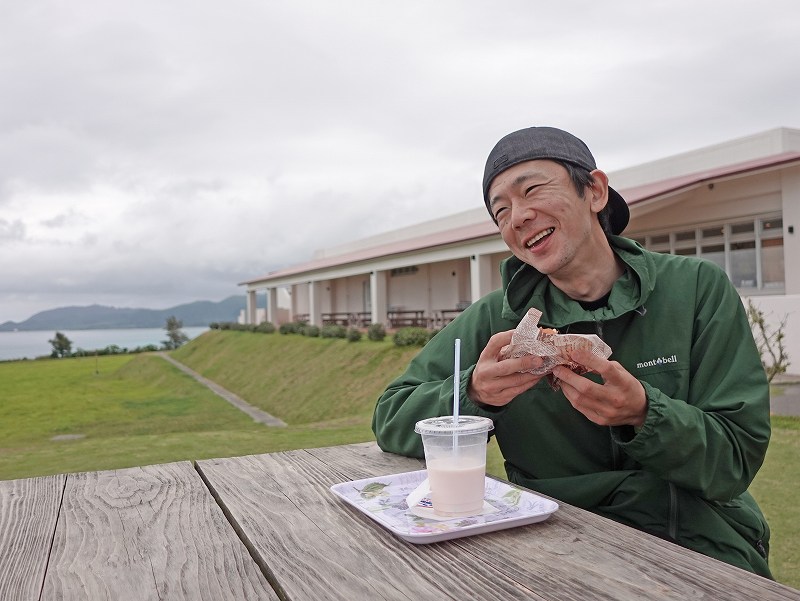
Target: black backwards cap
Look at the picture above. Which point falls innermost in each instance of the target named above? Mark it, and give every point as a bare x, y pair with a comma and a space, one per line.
550, 143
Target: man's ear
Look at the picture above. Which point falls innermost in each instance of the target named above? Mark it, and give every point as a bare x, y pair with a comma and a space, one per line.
597, 191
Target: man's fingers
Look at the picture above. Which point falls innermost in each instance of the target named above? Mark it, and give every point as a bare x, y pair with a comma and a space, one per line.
589, 360
497, 342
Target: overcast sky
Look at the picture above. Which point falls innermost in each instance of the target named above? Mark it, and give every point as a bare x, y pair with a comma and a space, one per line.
161, 151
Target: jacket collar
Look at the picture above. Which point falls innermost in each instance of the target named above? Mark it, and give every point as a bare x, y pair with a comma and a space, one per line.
525, 287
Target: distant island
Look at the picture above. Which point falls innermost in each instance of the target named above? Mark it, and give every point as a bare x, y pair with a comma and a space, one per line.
99, 317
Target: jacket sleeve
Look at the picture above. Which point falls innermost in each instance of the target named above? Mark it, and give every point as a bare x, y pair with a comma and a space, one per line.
714, 441
426, 388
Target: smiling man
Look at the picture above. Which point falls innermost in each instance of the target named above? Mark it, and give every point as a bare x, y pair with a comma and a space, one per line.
668, 433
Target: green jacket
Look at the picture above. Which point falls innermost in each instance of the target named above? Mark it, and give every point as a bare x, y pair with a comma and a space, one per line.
678, 325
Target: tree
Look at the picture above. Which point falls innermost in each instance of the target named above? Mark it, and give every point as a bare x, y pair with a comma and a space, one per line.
175, 336
62, 346
769, 341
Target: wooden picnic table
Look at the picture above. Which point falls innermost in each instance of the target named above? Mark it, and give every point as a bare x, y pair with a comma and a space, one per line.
445, 316
269, 527
406, 318
337, 319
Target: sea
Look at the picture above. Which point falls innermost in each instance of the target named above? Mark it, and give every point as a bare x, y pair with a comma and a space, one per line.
33, 344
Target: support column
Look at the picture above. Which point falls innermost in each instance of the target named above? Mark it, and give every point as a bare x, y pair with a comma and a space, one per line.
378, 300
250, 317
480, 267
790, 185
272, 306
315, 304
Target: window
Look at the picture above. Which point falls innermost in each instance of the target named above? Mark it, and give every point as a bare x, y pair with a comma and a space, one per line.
772, 266
742, 228
750, 251
714, 253
713, 233
404, 271
743, 264
685, 243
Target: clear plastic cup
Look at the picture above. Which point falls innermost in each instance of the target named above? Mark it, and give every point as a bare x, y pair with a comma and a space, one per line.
455, 456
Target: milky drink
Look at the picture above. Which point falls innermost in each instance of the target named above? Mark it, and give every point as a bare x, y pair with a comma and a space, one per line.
457, 485
455, 455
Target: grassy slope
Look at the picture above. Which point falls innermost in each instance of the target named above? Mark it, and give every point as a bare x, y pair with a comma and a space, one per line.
301, 380
139, 410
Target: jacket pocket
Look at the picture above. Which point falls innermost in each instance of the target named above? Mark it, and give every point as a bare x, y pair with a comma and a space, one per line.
745, 517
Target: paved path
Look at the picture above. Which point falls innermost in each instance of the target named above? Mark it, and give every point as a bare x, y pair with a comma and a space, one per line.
787, 401
242, 405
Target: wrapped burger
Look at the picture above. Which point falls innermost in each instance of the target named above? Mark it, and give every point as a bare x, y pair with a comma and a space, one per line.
554, 348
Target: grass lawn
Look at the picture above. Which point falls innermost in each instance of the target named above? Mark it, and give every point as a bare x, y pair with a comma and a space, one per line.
86, 414
136, 411
89, 414
775, 488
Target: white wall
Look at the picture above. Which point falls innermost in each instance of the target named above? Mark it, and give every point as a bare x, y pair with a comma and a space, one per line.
775, 308
444, 286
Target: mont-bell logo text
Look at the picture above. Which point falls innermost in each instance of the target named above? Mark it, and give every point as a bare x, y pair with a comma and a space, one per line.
658, 361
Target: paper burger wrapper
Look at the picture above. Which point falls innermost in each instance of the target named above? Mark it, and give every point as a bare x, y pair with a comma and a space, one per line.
554, 348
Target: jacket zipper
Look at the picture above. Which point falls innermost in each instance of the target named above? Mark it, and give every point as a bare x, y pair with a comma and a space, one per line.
672, 524
616, 458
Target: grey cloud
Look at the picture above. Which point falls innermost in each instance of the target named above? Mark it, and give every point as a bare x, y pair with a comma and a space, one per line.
68, 218
156, 151
11, 231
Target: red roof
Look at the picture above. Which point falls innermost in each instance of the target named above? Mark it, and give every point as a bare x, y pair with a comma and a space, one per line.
450, 236
487, 228
675, 184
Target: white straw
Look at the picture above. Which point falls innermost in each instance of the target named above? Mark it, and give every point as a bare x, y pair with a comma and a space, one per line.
456, 379
456, 386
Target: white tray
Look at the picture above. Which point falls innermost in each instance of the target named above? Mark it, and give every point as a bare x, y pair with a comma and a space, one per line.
384, 500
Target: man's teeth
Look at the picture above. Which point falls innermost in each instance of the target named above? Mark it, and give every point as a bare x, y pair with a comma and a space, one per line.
541, 235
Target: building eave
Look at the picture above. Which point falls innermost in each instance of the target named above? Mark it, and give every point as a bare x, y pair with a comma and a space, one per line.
655, 190
458, 235
636, 197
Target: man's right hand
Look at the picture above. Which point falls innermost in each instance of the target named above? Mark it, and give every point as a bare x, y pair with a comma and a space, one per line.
496, 382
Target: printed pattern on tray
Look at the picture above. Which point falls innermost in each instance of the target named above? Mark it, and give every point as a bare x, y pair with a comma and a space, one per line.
384, 499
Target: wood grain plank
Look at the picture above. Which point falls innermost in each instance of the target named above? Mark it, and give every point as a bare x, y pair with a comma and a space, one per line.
28, 514
316, 547
573, 555
579, 555
152, 532
363, 460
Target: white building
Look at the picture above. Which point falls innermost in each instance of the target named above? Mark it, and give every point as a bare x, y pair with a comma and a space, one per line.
735, 203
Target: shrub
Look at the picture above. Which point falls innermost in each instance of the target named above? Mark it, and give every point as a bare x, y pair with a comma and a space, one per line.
411, 337
353, 335
333, 331
148, 348
376, 332
233, 325
310, 331
213, 325
769, 340
265, 327
288, 328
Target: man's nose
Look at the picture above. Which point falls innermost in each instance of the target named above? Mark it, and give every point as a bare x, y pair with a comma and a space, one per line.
521, 212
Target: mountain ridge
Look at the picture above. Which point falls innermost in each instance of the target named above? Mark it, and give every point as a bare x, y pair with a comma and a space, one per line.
101, 317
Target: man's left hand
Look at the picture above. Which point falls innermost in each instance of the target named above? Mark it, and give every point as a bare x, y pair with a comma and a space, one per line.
620, 400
